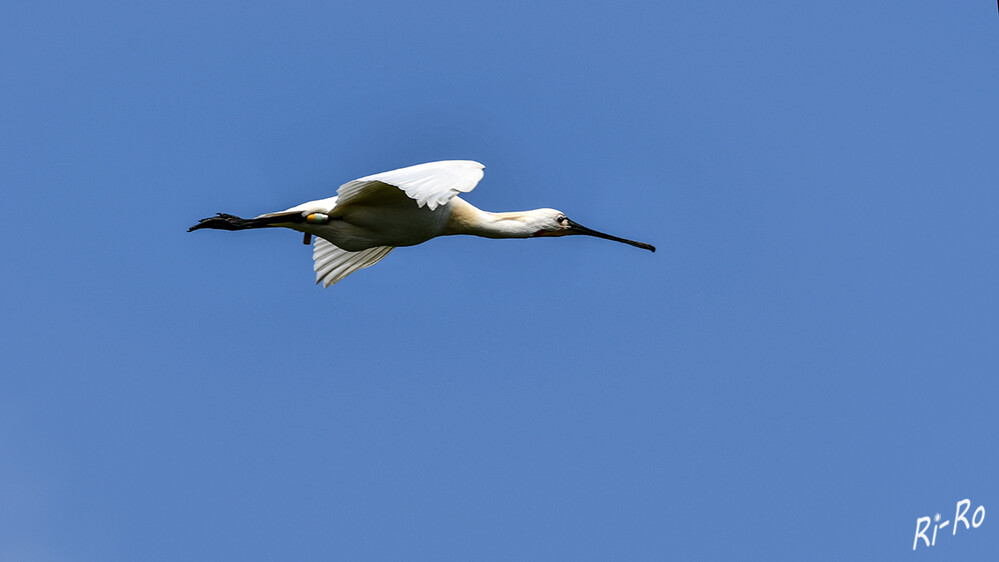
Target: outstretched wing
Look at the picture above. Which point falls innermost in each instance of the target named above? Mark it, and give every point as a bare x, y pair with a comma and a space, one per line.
333, 264
431, 184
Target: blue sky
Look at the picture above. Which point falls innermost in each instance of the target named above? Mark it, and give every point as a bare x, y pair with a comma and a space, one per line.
806, 366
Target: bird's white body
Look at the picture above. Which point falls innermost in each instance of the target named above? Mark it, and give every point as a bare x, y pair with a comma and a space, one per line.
358, 227
372, 215
390, 221
399, 208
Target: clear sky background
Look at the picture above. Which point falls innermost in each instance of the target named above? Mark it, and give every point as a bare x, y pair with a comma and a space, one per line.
807, 365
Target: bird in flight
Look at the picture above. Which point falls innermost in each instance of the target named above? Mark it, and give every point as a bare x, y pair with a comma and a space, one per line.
370, 216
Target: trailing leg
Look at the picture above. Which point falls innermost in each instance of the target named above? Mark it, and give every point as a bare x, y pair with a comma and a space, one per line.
223, 221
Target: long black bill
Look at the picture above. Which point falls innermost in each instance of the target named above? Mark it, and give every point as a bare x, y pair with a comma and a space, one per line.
578, 228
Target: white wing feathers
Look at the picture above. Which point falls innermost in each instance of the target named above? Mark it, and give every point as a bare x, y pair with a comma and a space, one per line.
333, 264
432, 184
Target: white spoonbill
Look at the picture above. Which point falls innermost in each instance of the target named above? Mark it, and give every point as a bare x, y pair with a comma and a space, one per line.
370, 216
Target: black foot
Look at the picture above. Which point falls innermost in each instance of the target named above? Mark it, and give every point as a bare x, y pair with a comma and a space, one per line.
222, 221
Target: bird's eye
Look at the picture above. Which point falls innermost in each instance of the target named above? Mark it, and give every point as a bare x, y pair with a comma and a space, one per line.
561, 219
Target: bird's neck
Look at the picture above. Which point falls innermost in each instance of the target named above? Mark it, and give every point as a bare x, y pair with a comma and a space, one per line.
467, 219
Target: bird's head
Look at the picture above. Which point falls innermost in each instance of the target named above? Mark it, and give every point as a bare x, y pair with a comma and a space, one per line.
552, 222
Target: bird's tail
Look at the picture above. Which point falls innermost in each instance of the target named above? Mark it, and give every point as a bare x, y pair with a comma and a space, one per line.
222, 221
